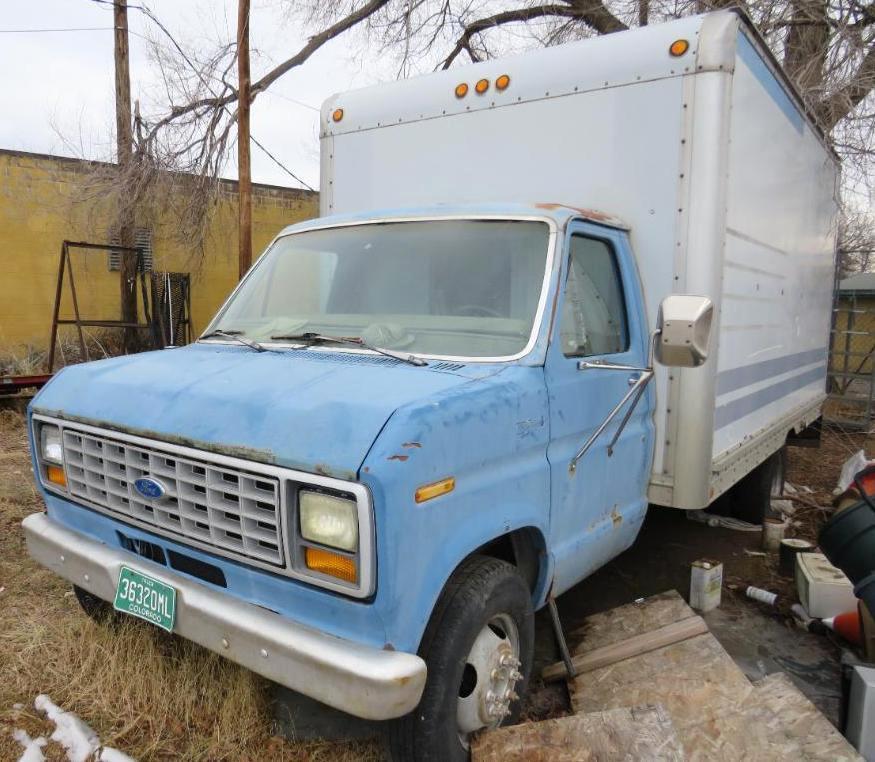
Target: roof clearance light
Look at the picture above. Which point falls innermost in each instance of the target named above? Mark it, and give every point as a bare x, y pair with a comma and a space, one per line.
461, 90
502, 82
482, 86
678, 48
337, 115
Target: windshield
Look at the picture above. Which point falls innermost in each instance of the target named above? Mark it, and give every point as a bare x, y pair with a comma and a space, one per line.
460, 288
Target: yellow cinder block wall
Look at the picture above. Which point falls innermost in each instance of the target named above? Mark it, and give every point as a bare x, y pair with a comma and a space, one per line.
46, 199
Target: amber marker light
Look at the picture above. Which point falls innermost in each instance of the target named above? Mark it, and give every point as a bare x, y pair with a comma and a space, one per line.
337, 115
461, 90
56, 475
678, 48
435, 489
502, 82
332, 564
482, 86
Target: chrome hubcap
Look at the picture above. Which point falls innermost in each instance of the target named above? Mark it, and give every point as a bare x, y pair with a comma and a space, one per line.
492, 671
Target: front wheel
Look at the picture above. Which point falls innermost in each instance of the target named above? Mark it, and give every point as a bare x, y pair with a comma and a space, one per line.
478, 647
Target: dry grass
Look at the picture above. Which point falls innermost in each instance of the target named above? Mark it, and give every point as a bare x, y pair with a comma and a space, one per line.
149, 694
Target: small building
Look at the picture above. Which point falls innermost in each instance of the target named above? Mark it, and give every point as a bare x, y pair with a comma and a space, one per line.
45, 200
852, 358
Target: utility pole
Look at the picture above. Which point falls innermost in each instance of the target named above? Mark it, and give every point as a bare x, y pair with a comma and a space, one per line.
124, 152
244, 169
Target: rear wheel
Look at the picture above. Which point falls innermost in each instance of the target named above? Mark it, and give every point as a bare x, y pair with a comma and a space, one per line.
751, 498
478, 647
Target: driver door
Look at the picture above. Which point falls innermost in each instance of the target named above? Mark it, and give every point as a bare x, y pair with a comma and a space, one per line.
596, 508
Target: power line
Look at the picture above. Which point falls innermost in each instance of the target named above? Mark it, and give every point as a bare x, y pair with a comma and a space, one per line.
292, 100
151, 16
67, 29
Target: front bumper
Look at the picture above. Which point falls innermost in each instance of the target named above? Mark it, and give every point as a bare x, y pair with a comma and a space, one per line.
361, 680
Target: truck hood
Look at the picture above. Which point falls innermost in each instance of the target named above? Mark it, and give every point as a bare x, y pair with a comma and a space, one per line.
311, 410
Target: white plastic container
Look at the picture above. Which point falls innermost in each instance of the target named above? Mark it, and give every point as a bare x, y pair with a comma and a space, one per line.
706, 581
824, 590
860, 729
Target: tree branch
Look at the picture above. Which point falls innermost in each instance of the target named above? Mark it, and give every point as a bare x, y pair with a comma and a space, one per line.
313, 44
592, 12
843, 101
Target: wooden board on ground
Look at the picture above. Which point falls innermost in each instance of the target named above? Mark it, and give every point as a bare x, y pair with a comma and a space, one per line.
632, 619
639, 733
717, 712
629, 648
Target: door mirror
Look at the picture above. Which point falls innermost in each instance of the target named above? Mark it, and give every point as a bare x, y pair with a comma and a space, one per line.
684, 326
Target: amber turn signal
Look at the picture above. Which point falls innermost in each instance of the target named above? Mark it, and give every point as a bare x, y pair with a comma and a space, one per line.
337, 115
435, 489
679, 47
332, 564
56, 475
502, 82
482, 86
461, 90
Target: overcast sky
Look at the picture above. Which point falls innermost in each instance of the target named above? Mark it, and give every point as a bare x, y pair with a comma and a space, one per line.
59, 85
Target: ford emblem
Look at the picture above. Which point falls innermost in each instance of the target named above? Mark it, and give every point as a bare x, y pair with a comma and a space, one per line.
150, 488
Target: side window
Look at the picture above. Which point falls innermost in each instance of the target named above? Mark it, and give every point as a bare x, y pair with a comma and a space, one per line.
594, 312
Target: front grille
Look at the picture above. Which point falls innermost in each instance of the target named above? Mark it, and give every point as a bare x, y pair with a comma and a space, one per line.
235, 511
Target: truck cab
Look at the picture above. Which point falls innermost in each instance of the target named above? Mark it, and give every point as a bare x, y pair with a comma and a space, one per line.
386, 407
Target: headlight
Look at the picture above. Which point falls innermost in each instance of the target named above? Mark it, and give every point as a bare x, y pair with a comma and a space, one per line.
329, 520
50, 446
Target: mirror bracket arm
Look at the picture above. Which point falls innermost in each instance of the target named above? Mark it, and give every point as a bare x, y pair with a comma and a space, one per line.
635, 393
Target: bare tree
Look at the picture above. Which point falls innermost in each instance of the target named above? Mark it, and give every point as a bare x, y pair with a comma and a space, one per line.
856, 242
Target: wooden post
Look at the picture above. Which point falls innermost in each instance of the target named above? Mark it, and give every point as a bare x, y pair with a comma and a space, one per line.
244, 170
124, 152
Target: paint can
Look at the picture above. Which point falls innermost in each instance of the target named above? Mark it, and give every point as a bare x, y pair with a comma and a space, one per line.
787, 552
763, 596
773, 533
706, 582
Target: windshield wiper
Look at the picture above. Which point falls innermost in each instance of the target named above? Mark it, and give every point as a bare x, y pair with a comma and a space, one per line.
235, 336
321, 338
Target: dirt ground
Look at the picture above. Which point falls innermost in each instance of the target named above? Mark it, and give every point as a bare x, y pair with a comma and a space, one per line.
157, 697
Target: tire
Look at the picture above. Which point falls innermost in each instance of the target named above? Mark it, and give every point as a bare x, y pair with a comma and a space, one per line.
96, 608
482, 593
751, 498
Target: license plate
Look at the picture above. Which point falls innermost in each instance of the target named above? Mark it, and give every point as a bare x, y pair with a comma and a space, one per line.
140, 595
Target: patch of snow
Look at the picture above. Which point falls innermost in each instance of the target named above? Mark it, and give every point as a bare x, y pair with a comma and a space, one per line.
79, 740
32, 746
108, 754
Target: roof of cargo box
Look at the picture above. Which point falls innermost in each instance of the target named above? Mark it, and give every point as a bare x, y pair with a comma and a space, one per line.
633, 56
560, 214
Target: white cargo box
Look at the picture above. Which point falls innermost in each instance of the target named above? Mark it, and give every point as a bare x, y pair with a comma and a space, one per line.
823, 590
727, 186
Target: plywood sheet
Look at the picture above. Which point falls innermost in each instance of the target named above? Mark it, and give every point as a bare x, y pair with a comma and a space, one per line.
638, 733
690, 679
623, 622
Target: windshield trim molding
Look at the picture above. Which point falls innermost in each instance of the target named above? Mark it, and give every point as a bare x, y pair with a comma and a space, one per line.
552, 240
